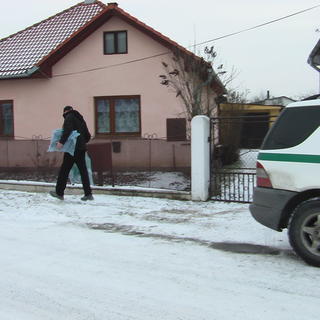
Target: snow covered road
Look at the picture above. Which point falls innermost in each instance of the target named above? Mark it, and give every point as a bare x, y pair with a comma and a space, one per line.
123, 258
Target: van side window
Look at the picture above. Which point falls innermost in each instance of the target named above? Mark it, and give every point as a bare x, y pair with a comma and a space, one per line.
293, 126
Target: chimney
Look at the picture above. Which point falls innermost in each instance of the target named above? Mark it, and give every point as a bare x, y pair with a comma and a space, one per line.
113, 4
89, 1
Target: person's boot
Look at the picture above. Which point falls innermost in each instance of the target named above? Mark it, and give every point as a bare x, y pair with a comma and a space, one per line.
88, 197
55, 195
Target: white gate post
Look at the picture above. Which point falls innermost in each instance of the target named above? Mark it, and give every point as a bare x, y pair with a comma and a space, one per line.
200, 158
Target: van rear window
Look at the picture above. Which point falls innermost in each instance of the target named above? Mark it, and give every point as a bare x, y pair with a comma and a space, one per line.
293, 126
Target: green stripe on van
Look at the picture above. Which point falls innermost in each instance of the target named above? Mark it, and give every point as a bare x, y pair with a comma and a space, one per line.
307, 158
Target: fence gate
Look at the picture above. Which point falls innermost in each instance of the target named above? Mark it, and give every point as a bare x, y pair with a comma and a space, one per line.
234, 148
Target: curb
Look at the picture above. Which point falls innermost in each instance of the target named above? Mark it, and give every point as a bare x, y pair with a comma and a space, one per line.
77, 189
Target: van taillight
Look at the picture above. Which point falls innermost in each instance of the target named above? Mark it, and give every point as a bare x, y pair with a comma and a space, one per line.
263, 179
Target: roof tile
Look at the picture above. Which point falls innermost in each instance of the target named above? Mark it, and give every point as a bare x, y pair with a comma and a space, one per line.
23, 50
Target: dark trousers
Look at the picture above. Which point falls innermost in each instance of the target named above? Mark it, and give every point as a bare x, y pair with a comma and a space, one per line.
68, 162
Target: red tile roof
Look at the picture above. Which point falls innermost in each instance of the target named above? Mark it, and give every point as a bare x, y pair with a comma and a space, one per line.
32, 52
21, 52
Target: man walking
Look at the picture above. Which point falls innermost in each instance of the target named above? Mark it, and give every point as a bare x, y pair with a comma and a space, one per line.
73, 120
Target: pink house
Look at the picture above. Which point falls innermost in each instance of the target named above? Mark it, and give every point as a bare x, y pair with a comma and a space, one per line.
106, 64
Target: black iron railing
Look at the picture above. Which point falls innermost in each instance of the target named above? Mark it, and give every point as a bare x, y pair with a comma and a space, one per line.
233, 185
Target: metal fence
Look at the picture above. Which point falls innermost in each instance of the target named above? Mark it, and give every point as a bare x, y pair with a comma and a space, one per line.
231, 184
234, 149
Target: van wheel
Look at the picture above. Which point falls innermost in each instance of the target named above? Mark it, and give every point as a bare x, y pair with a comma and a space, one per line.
304, 231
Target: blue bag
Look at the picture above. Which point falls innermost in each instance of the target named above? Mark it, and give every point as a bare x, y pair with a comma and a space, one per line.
74, 175
70, 144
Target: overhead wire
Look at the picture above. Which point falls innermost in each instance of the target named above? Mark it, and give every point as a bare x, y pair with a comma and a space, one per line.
258, 26
194, 45
112, 65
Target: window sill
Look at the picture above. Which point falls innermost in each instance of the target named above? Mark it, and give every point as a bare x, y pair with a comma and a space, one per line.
114, 53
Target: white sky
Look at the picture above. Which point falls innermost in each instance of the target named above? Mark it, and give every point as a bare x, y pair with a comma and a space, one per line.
272, 58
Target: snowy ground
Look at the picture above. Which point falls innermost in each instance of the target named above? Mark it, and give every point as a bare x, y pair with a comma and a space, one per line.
123, 258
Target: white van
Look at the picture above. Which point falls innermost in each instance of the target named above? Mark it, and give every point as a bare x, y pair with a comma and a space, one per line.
288, 178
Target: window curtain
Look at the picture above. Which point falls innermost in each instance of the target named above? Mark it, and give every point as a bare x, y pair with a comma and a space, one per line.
122, 42
109, 43
127, 115
103, 116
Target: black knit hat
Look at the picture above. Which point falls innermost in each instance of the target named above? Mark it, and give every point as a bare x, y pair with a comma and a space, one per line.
67, 108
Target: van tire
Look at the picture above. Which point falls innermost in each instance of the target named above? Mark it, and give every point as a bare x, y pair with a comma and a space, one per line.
304, 231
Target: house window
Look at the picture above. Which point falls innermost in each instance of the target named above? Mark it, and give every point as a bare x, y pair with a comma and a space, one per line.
176, 129
118, 115
115, 42
6, 118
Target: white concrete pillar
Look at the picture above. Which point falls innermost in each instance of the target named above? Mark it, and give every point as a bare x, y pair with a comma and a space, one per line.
200, 158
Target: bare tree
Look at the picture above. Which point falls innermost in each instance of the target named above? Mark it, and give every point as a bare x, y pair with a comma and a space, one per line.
260, 97
193, 80
240, 97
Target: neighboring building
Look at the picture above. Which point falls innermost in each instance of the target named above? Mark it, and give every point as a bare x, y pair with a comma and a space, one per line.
99, 59
277, 101
251, 122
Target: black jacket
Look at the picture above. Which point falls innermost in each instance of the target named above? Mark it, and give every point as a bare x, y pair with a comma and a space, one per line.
73, 120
